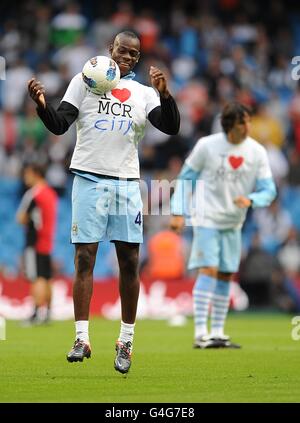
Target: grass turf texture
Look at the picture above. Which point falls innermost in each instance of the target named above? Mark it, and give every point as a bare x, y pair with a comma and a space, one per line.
165, 367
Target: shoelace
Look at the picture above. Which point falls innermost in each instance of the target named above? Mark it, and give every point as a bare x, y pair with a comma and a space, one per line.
78, 343
125, 350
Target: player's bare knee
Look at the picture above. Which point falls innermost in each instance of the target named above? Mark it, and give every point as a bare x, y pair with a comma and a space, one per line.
128, 258
84, 260
129, 266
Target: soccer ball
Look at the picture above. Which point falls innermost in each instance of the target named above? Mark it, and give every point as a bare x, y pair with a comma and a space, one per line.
101, 74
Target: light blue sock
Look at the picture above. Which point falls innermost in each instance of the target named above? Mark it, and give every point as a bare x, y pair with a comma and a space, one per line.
220, 305
202, 296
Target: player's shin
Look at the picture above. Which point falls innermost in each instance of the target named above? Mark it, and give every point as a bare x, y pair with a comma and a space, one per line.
202, 296
220, 306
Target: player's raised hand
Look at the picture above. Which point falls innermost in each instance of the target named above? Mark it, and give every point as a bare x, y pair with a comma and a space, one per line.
242, 202
36, 92
159, 81
177, 224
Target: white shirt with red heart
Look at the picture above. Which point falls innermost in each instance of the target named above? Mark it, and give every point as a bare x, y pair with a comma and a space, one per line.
109, 127
227, 171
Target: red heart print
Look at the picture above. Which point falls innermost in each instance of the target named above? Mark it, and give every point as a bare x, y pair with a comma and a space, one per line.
235, 162
121, 94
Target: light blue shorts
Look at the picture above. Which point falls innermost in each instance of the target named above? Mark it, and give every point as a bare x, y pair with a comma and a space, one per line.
219, 248
109, 209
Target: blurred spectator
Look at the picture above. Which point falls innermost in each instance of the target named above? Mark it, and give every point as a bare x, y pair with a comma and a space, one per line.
10, 43
15, 86
56, 174
101, 35
148, 30
242, 31
280, 76
289, 259
189, 39
50, 77
265, 128
10, 130
293, 177
294, 111
273, 225
278, 162
74, 56
265, 282
68, 26
289, 255
123, 17
166, 259
193, 97
31, 126
42, 30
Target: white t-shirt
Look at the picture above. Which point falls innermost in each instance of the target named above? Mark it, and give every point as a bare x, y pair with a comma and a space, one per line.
228, 171
110, 126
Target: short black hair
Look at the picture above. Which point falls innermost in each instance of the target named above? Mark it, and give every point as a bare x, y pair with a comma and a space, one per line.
126, 33
233, 112
37, 168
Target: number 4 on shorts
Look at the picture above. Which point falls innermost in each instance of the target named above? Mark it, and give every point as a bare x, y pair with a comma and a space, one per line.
138, 219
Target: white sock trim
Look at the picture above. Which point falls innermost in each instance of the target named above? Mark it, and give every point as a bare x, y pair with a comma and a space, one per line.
82, 330
126, 332
200, 330
220, 306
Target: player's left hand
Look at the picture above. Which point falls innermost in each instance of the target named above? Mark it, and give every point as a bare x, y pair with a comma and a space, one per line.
177, 224
37, 92
242, 202
159, 81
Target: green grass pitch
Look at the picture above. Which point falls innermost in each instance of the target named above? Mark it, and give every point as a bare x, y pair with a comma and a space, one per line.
165, 367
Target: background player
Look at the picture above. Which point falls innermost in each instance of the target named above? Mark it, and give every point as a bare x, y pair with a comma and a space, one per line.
37, 212
106, 167
236, 175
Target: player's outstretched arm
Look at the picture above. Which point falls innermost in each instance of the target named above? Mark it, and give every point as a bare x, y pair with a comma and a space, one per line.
165, 117
265, 189
57, 121
265, 193
185, 186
